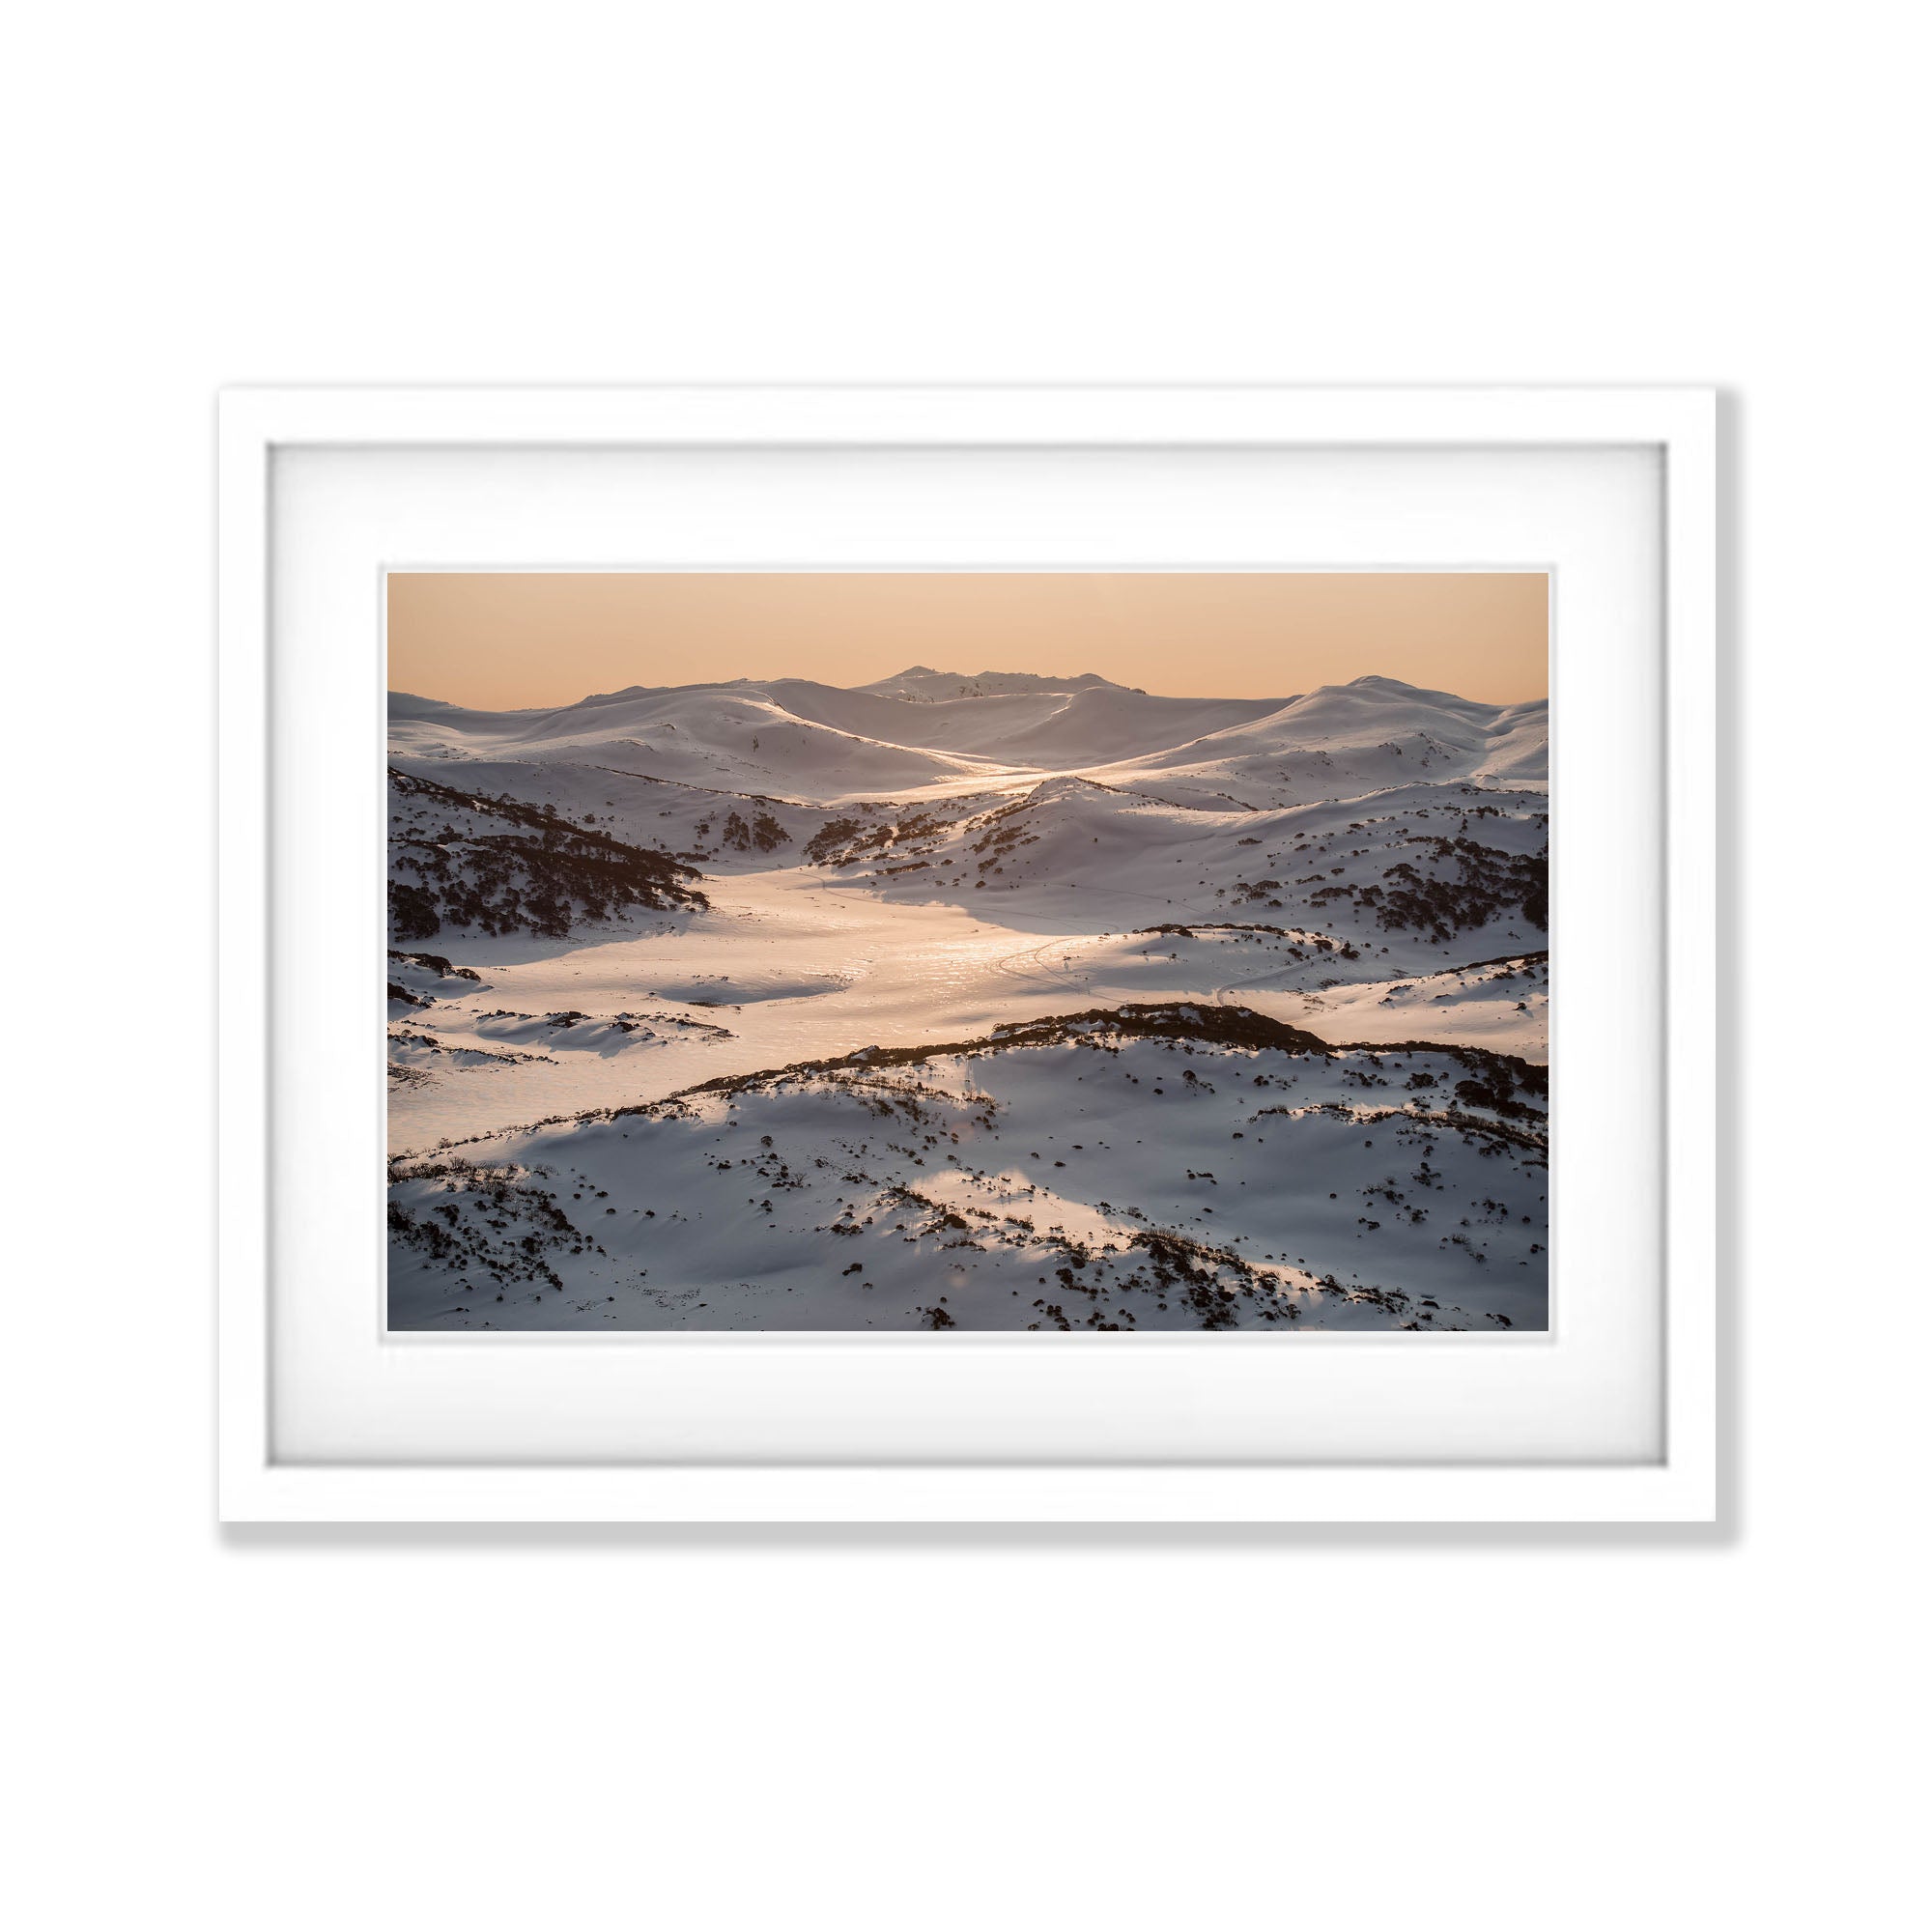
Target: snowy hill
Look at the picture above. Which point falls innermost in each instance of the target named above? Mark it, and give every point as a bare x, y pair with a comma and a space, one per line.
499, 866
1341, 741
737, 737
1144, 1168
793, 734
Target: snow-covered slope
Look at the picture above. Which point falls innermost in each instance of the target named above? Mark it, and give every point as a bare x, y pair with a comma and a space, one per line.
503, 867
820, 741
1413, 874
1150, 1168
736, 738
684, 890
1344, 740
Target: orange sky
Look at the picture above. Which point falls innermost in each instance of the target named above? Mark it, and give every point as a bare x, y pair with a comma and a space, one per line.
501, 640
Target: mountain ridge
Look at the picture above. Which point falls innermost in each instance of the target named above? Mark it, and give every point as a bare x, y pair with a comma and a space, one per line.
801, 736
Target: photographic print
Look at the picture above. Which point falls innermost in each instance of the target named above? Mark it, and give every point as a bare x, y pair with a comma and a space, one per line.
1041, 951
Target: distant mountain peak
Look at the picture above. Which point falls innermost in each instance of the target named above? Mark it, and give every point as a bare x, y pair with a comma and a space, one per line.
922, 682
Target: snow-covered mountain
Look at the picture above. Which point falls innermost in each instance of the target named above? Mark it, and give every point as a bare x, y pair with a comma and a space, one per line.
665, 915
821, 741
817, 741
929, 686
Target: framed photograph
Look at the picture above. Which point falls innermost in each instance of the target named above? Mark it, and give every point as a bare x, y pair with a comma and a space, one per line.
968, 955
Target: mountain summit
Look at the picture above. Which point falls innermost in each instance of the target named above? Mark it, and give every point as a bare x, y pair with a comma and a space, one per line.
921, 683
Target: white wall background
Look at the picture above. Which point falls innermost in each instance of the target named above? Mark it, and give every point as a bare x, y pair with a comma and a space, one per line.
571, 1729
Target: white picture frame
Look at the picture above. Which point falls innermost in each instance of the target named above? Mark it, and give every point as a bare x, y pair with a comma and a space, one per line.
589, 1467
